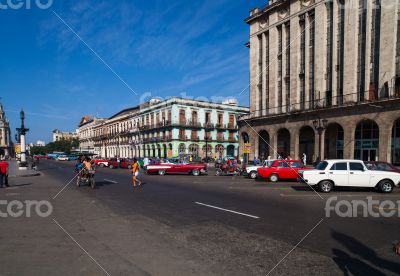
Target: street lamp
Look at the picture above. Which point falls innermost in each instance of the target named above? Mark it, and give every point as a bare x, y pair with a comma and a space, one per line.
320, 126
21, 133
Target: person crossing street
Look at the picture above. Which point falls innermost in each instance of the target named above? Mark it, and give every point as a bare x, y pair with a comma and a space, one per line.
135, 174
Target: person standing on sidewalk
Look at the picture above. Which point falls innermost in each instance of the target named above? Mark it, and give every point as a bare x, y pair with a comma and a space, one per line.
135, 173
3, 174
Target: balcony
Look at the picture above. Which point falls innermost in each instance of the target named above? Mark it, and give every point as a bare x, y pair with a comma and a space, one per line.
183, 138
209, 125
220, 138
194, 138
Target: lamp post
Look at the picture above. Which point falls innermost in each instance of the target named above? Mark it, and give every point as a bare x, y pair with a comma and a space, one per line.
21, 133
320, 126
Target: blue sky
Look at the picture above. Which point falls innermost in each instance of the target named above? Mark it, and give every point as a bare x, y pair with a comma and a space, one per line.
159, 48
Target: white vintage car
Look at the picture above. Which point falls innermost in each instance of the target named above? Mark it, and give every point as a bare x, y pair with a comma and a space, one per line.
349, 173
252, 170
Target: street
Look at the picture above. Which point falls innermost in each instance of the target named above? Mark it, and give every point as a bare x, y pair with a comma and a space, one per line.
186, 225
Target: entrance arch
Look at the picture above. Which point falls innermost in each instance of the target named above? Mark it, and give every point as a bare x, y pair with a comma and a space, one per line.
283, 142
219, 150
181, 149
194, 149
396, 143
307, 143
334, 141
366, 146
263, 145
230, 151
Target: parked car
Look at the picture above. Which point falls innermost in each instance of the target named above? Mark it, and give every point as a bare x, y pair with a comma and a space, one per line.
72, 157
381, 166
251, 171
120, 163
282, 169
62, 158
349, 173
177, 168
101, 162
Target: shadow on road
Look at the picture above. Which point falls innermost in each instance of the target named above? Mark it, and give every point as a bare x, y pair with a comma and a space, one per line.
357, 266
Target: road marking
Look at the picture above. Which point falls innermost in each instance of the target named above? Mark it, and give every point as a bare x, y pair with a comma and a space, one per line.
227, 210
111, 181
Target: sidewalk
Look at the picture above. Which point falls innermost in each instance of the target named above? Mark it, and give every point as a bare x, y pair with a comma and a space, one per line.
14, 170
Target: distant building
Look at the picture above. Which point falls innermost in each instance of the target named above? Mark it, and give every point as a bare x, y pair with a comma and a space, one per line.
171, 128
40, 143
6, 145
60, 135
85, 134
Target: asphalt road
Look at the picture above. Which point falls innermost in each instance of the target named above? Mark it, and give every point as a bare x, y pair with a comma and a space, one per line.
219, 225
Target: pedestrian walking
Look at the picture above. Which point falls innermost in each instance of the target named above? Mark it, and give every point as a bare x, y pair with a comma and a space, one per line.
135, 174
3, 174
304, 159
145, 162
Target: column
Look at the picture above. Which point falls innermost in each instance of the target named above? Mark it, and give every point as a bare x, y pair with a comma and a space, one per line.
385, 142
348, 143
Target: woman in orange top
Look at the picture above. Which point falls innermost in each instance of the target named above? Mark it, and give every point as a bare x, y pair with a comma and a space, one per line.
135, 173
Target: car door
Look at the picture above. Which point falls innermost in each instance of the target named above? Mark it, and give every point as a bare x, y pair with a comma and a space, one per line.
293, 171
339, 173
283, 169
358, 175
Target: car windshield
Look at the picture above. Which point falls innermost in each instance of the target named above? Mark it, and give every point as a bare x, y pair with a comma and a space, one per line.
321, 165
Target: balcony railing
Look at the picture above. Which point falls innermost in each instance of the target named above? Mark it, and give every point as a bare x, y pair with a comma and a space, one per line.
347, 100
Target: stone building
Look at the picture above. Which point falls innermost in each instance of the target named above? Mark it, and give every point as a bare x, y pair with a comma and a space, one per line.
85, 134
333, 63
6, 145
171, 128
59, 135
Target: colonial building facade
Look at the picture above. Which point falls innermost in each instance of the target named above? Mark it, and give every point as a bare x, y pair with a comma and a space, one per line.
86, 133
171, 128
6, 145
324, 80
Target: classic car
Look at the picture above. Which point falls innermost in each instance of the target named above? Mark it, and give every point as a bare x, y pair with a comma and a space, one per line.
62, 158
251, 171
349, 173
282, 169
120, 163
101, 162
169, 167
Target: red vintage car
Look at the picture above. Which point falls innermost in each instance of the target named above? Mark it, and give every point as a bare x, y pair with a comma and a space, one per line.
120, 163
101, 162
177, 168
282, 169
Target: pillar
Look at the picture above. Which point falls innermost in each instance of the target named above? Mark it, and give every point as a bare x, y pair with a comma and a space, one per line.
385, 142
349, 142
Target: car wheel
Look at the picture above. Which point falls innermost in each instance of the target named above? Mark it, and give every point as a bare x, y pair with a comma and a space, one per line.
386, 186
195, 172
101, 165
218, 172
274, 178
161, 172
129, 167
253, 174
111, 167
325, 186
